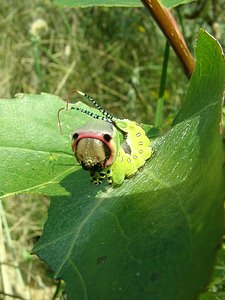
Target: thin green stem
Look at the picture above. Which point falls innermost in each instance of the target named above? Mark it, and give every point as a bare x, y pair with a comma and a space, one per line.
37, 65
159, 108
58, 290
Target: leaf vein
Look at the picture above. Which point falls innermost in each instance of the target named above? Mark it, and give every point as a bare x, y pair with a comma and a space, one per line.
78, 273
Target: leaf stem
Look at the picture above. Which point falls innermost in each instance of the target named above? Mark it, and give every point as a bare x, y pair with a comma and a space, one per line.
169, 27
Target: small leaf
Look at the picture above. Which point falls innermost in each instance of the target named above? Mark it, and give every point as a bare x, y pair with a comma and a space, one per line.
151, 131
87, 3
123, 3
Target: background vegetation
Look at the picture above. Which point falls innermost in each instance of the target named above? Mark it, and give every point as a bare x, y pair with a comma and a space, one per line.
113, 54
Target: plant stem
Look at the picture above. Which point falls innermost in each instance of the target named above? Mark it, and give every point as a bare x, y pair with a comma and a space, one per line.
37, 65
169, 27
159, 108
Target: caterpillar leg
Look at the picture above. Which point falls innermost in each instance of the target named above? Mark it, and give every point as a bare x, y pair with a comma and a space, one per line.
97, 177
109, 176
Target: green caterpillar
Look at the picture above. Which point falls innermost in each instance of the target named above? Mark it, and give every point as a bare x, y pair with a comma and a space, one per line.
108, 147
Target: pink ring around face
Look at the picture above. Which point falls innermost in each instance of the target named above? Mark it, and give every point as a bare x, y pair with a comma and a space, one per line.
84, 135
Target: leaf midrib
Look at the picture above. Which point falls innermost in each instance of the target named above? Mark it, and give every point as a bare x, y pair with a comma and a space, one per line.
61, 153
43, 184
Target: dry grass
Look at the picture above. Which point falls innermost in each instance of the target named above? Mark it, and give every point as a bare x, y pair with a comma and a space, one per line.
23, 275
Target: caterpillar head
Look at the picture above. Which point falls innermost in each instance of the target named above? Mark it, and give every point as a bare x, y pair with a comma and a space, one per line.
94, 145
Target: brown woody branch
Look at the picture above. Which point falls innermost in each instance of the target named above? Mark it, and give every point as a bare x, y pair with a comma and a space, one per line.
169, 27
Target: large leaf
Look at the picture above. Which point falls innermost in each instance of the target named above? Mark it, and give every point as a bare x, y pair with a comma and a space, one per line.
154, 237
123, 3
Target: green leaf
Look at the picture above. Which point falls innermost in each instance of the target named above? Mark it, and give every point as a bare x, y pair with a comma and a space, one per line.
153, 237
151, 131
123, 3
35, 156
87, 3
